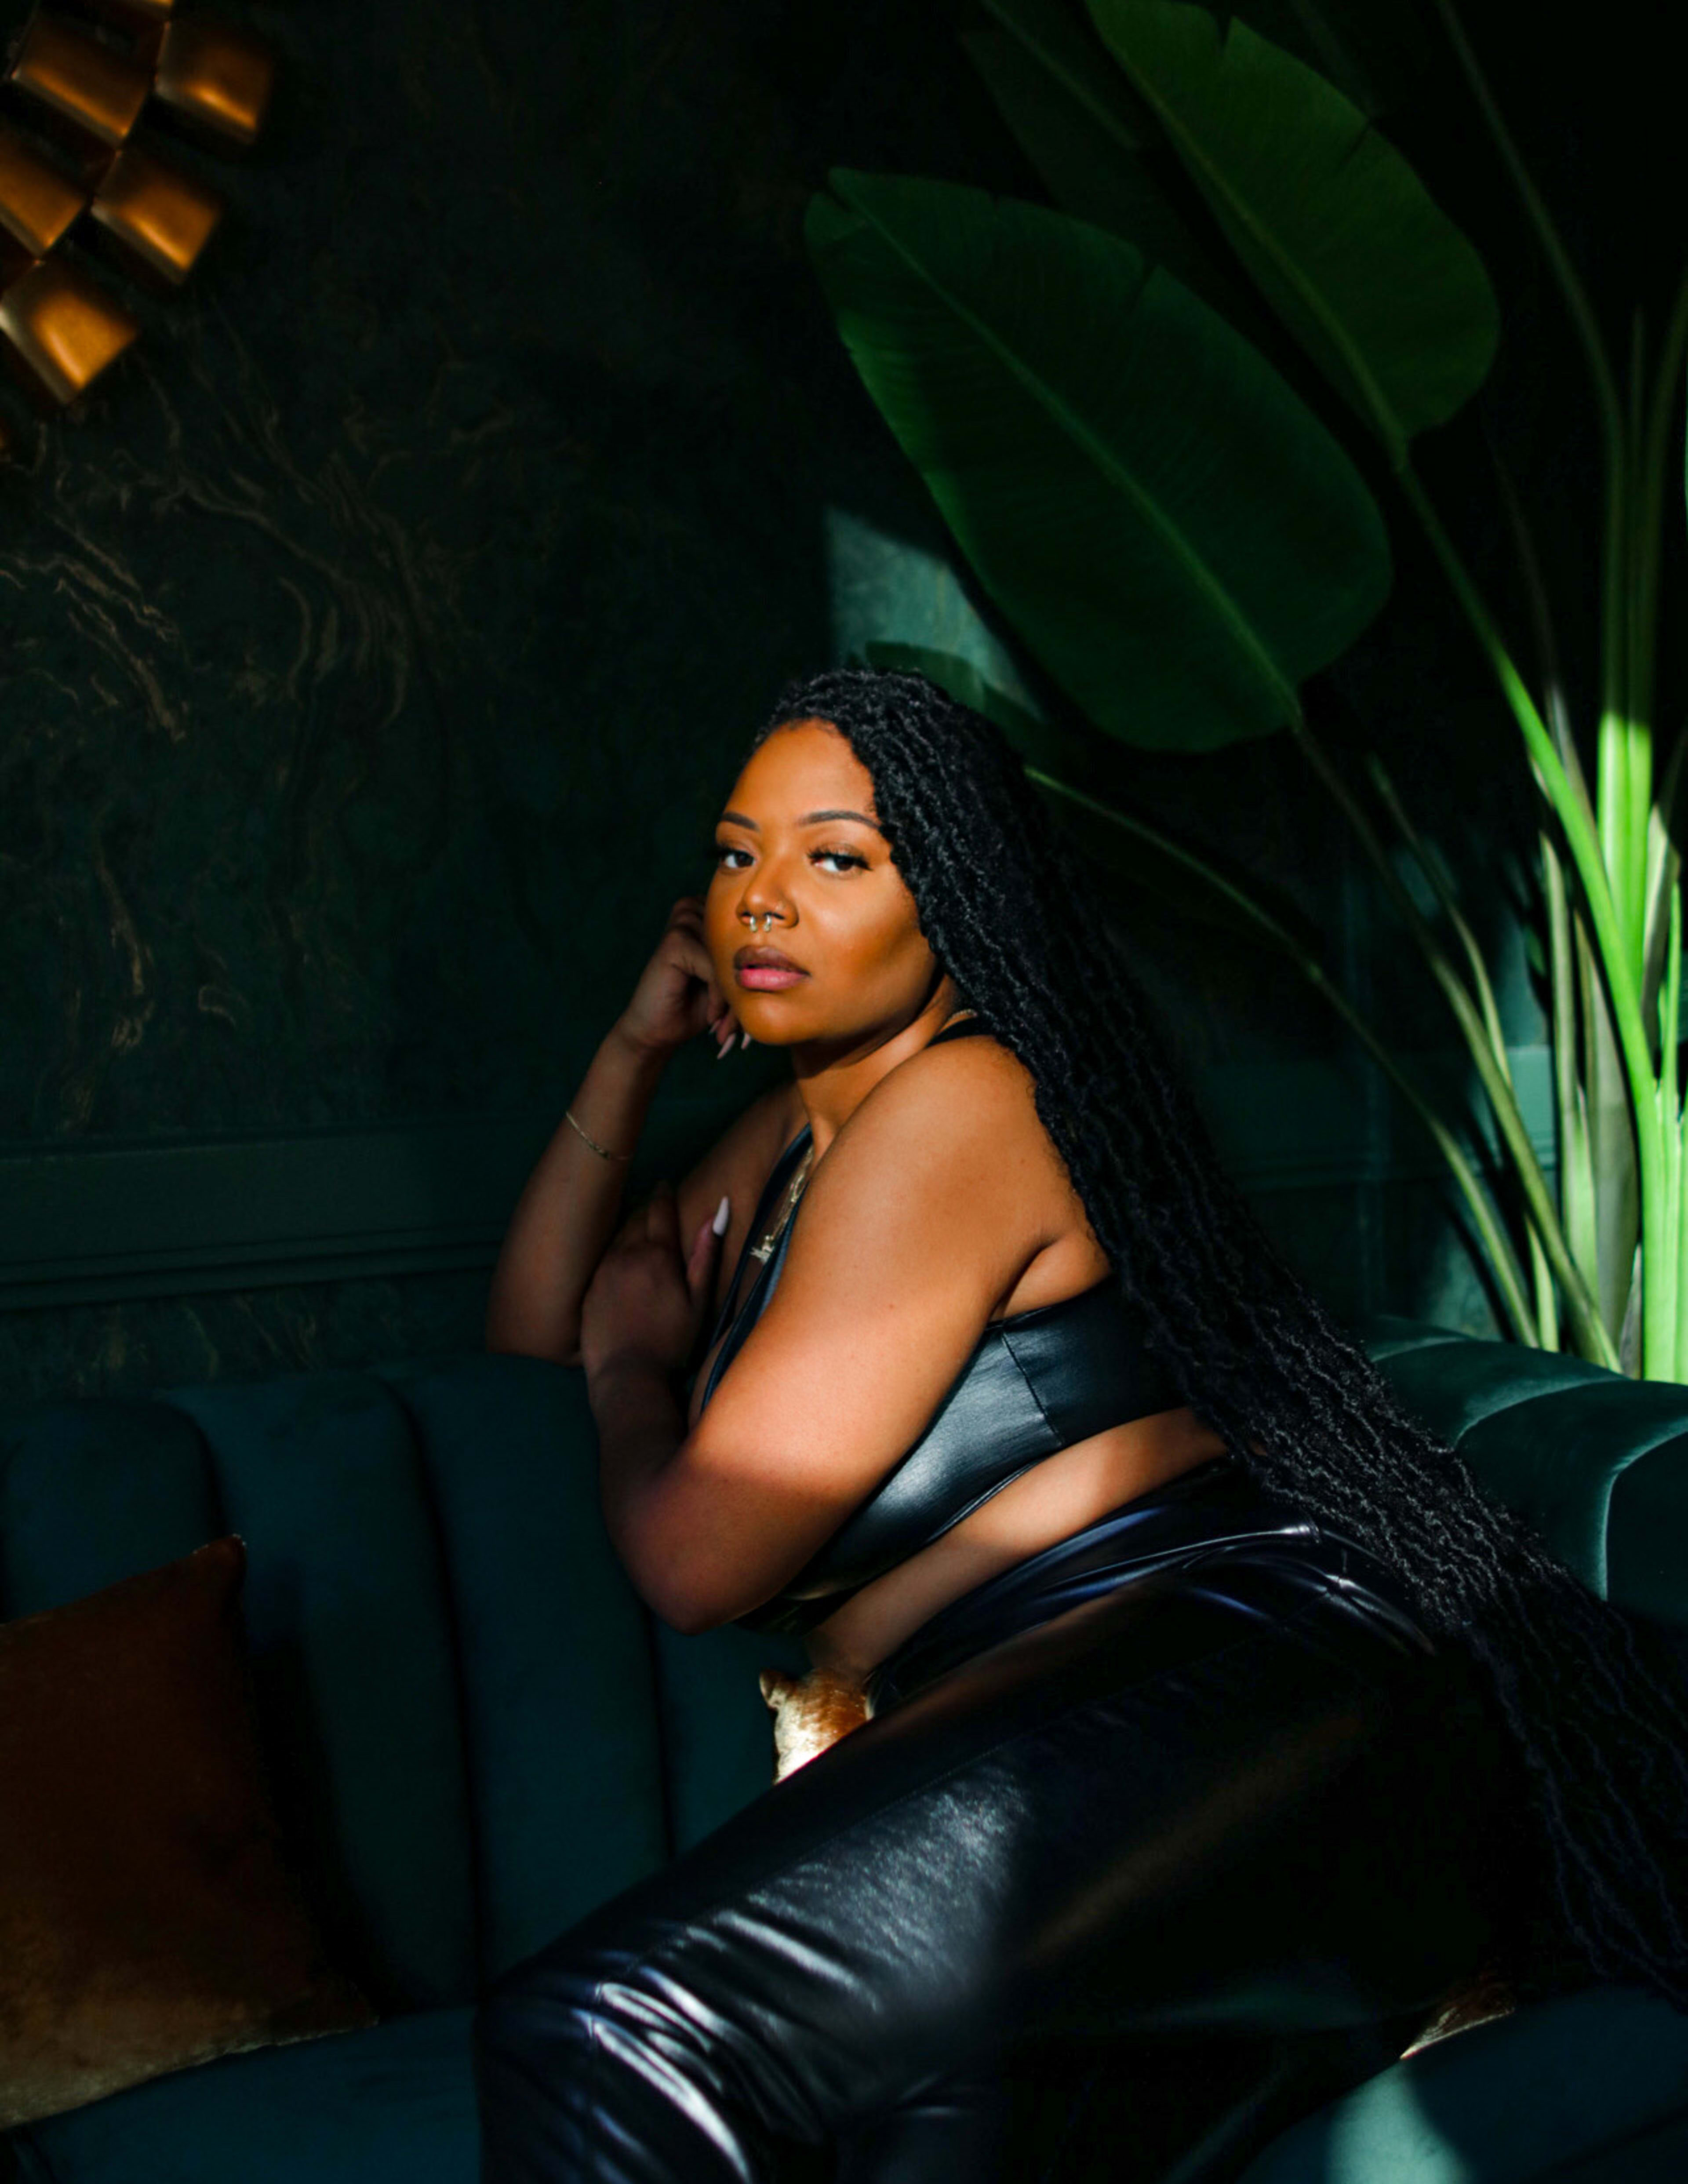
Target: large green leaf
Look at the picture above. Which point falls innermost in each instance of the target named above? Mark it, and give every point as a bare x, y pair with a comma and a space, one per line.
1171, 530
1084, 128
1091, 169
1058, 35
1343, 239
1375, 51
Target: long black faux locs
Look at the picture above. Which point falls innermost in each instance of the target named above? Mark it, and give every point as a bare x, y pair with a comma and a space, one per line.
1594, 1706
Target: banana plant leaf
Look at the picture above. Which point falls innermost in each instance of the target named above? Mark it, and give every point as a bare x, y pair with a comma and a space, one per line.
1065, 107
1172, 530
1058, 38
1375, 51
1377, 284
1090, 170
1085, 131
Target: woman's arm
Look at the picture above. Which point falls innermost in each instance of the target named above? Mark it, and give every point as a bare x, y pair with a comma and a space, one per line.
927, 1205
569, 1208
570, 1205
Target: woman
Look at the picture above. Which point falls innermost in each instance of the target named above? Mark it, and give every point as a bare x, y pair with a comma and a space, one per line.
1220, 1726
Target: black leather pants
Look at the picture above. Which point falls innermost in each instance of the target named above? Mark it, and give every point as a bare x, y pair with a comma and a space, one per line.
1155, 1842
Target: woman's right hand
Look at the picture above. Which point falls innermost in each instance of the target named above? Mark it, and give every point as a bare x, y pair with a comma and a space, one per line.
678, 995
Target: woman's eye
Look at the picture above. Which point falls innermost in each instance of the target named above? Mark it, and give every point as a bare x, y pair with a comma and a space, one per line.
721, 851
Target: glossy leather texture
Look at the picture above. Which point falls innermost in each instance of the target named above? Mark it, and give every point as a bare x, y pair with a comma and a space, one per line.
1152, 1845
1198, 1524
1036, 1382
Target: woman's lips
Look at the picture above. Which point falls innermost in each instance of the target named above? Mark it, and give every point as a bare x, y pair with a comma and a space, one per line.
767, 978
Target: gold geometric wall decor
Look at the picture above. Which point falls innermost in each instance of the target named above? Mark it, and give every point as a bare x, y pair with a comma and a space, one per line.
76, 86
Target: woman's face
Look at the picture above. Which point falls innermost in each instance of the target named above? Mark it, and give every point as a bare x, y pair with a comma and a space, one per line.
798, 837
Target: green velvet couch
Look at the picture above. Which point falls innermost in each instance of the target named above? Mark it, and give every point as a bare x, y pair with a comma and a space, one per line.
476, 1733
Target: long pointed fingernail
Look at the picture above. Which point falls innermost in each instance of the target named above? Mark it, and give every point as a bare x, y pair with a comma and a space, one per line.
744, 1039
723, 1049
722, 1213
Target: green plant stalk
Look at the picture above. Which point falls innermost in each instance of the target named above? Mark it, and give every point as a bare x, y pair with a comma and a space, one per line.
1617, 1224
1677, 1164
1580, 839
1669, 1001
1576, 1171
1584, 1312
1576, 981
1670, 1122
1540, 1265
1664, 864
1682, 1248
1546, 1296
1450, 910
1503, 1258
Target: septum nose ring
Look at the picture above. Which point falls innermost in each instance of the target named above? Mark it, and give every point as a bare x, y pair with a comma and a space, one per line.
767, 921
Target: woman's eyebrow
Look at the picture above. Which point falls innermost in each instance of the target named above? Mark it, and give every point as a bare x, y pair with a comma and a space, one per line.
808, 819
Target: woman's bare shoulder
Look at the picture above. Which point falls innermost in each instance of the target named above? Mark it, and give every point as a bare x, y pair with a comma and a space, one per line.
970, 1103
964, 1108
976, 1083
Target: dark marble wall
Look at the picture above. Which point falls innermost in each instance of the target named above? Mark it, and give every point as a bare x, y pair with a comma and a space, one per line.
377, 639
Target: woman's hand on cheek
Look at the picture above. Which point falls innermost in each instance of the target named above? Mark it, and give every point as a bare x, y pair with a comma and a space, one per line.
647, 1301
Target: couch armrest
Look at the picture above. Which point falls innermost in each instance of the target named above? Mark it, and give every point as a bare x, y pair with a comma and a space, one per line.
1599, 1462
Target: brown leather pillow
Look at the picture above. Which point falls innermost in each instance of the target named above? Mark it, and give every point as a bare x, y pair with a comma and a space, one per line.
149, 1918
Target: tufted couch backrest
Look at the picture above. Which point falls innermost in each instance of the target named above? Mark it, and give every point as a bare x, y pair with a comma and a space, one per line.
477, 1731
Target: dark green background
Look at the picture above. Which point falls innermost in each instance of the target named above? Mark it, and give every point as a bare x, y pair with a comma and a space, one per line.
379, 639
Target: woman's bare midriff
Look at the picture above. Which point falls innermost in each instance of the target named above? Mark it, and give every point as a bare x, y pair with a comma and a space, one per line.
1056, 1498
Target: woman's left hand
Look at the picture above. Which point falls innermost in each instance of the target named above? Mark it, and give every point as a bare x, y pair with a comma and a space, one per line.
646, 1299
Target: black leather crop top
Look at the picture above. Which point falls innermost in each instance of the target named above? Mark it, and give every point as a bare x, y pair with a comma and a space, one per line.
1036, 1382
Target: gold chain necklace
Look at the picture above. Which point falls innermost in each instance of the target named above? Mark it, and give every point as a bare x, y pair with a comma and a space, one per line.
793, 1190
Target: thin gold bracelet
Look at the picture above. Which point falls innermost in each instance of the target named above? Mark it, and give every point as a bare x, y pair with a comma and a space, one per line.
603, 1150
